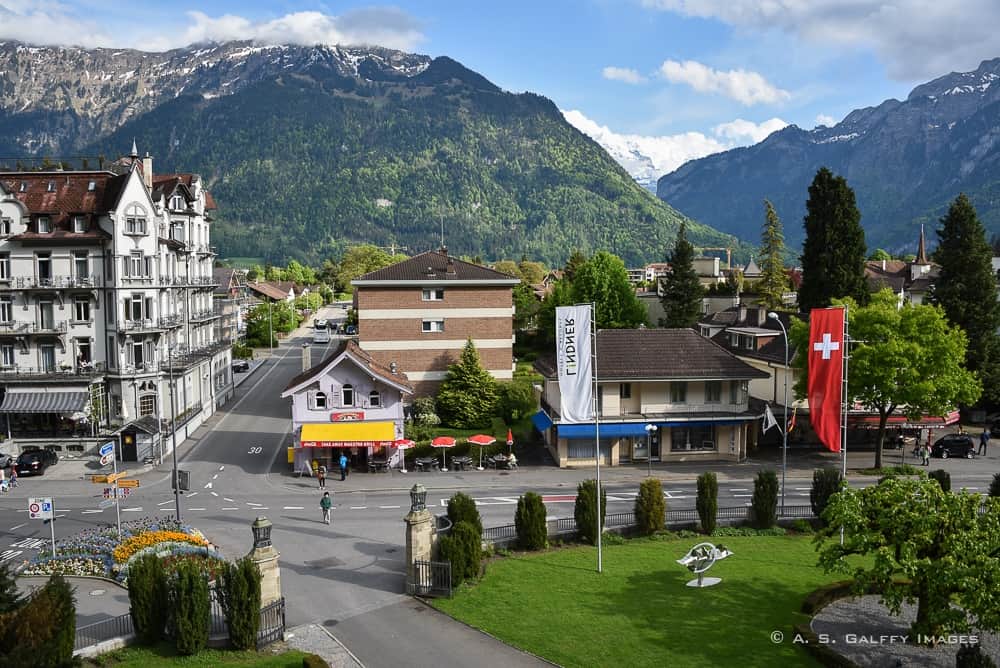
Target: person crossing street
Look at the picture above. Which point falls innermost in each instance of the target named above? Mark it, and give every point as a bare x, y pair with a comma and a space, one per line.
326, 503
984, 440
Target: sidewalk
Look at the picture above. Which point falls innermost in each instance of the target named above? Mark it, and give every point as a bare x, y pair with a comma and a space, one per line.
96, 600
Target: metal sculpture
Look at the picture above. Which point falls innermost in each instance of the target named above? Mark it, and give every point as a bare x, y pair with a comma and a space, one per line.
699, 559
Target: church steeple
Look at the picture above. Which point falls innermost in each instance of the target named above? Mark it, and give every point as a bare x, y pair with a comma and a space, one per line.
135, 150
922, 249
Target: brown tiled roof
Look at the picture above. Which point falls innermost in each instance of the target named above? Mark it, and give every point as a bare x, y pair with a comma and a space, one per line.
435, 266
362, 357
660, 353
71, 192
267, 290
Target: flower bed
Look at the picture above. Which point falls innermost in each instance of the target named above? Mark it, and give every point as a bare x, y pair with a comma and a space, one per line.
93, 551
134, 544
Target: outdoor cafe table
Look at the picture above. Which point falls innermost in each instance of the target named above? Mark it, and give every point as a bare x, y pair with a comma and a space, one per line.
461, 463
425, 463
499, 461
376, 465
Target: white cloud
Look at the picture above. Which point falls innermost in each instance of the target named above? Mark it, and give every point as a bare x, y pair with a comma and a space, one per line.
748, 88
623, 74
748, 132
916, 39
828, 121
647, 157
43, 22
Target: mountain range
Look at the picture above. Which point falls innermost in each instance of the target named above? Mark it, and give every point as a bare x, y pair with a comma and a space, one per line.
310, 149
906, 161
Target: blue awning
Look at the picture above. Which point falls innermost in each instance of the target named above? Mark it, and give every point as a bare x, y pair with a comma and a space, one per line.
619, 429
541, 420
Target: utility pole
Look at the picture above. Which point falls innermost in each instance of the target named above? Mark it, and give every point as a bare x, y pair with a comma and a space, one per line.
173, 434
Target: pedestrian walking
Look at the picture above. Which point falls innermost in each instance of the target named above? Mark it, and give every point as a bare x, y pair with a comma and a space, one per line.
321, 476
343, 466
326, 503
925, 455
13, 476
984, 440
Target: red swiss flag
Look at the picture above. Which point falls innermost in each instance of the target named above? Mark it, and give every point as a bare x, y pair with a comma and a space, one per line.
826, 373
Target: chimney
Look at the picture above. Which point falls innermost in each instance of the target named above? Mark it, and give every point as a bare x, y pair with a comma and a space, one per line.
451, 267
761, 315
306, 357
147, 170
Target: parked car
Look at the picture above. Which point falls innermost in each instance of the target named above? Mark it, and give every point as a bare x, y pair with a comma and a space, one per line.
954, 445
241, 365
6, 461
34, 462
345, 305
334, 327
350, 330
319, 323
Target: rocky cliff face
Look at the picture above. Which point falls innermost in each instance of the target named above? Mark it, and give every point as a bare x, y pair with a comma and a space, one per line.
61, 99
905, 159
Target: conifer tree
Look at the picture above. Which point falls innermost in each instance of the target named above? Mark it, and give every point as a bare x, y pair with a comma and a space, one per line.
966, 289
833, 253
575, 261
773, 280
468, 394
682, 292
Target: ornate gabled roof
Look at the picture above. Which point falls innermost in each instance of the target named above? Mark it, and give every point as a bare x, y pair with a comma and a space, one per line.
360, 357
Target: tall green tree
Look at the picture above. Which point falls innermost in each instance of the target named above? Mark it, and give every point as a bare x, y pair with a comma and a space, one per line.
560, 295
526, 306
833, 253
966, 289
922, 544
468, 394
773, 282
603, 280
575, 261
682, 292
904, 359
360, 260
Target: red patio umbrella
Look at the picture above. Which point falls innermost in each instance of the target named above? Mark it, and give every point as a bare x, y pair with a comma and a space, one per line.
403, 444
510, 440
481, 440
443, 442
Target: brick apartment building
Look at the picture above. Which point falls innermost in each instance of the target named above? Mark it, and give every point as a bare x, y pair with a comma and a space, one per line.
420, 312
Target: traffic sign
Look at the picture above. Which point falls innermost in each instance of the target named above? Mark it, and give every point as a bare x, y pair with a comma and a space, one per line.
128, 483
112, 492
40, 509
111, 477
107, 449
107, 459
107, 503
99, 479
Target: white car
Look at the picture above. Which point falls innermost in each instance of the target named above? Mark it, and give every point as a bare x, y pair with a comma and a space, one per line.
319, 323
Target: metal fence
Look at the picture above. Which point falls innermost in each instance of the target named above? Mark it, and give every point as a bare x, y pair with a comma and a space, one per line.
272, 623
506, 535
92, 634
431, 578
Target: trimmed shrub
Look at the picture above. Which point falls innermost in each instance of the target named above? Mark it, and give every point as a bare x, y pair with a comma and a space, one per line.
529, 521
826, 483
995, 485
314, 661
190, 609
239, 596
943, 478
972, 656
585, 510
461, 508
463, 548
147, 596
802, 526
765, 500
650, 507
707, 502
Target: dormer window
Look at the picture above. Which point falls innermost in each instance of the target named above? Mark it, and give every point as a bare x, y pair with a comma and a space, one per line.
135, 220
44, 224
23, 187
347, 396
5, 225
91, 186
374, 399
79, 224
177, 203
52, 186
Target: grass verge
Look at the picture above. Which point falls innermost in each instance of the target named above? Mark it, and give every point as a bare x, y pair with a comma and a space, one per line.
639, 611
164, 655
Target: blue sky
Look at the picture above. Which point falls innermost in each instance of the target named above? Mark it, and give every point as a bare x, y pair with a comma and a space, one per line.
673, 79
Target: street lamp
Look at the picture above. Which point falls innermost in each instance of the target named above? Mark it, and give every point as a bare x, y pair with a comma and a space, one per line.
650, 429
270, 326
173, 432
418, 498
784, 427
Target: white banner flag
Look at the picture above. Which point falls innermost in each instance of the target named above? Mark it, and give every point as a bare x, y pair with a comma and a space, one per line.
573, 358
769, 420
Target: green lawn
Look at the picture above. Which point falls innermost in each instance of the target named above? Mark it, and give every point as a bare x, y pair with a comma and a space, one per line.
164, 655
639, 611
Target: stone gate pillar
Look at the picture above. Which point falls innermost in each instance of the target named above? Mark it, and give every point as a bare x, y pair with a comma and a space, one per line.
419, 537
266, 558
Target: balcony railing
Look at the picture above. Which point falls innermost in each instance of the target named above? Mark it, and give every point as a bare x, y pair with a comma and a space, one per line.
147, 367
47, 327
82, 370
171, 321
201, 316
147, 325
50, 282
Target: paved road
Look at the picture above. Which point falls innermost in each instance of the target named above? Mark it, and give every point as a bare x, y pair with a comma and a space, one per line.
349, 576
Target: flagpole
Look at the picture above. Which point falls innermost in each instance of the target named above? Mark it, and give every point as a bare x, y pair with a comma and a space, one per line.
597, 429
843, 438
